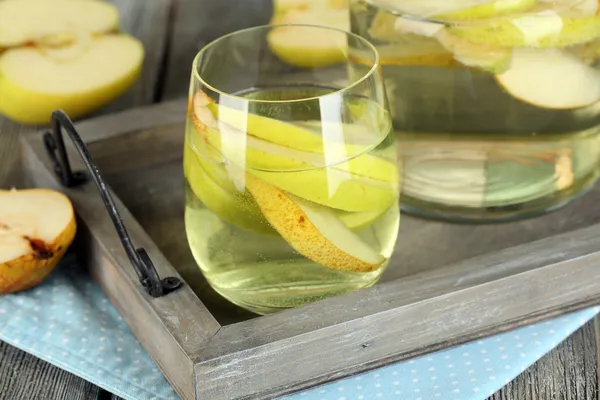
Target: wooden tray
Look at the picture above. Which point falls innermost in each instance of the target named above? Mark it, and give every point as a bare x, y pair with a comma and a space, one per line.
446, 284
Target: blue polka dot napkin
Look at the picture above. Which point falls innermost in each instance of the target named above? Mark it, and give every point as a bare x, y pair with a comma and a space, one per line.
68, 322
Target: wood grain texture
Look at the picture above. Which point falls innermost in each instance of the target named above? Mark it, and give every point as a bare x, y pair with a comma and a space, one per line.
198, 22
25, 377
569, 372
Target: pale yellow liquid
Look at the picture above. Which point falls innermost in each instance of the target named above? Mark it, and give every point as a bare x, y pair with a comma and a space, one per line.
256, 268
469, 150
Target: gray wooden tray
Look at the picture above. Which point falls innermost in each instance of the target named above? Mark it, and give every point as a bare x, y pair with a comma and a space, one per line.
446, 284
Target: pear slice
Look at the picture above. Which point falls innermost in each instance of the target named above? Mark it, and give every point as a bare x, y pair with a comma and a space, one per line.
314, 231
309, 47
77, 79
237, 208
362, 183
542, 29
36, 228
551, 78
57, 22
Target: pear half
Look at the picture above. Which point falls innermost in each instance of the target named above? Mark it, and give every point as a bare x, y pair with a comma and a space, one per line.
314, 231
362, 183
34, 81
36, 228
54, 22
551, 78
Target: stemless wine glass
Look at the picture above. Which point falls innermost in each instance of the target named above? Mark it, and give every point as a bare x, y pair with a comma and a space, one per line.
291, 176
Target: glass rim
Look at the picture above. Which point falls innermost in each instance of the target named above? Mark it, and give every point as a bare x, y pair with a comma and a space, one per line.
374, 67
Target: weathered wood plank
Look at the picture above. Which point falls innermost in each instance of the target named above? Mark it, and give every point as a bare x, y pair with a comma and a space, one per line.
23, 376
197, 23
569, 372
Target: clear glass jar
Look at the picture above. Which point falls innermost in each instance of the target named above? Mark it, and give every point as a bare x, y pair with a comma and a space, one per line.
496, 104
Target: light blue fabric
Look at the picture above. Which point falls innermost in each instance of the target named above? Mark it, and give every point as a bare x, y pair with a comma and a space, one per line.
68, 321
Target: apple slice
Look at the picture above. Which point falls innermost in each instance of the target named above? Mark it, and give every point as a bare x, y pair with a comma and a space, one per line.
77, 79
494, 59
237, 208
56, 22
308, 47
431, 8
36, 228
542, 29
314, 231
550, 78
489, 9
487, 57
363, 183
573, 8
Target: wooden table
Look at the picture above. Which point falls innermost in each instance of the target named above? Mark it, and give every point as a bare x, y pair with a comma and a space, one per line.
172, 31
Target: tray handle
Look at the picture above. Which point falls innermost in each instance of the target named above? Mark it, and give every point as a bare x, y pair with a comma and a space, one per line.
55, 146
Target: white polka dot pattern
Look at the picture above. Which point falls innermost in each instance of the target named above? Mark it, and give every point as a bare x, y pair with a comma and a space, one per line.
473, 371
68, 322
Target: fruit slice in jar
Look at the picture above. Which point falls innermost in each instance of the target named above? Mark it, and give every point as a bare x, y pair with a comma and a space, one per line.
53, 22
494, 59
237, 208
363, 183
313, 230
490, 58
550, 78
542, 29
488, 9
572, 8
310, 47
456, 8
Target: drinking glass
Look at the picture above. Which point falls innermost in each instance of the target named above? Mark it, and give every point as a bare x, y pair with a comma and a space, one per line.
291, 175
496, 104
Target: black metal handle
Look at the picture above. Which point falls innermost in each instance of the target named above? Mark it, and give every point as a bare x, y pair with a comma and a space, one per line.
55, 146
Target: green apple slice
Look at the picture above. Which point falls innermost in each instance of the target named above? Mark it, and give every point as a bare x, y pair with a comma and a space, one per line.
237, 208
56, 22
494, 59
588, 53
487, 57
573, 8
489, 9
359, 220
362, 183
314, 231
431, 8
551, 78
543, 29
